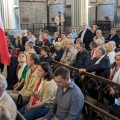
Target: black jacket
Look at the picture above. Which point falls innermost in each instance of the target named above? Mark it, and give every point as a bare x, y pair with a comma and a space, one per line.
82, 59
115, 38
59, 54
87, 39
45, 59
100, 67
11, 72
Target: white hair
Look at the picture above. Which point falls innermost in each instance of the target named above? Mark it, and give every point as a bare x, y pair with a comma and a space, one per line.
3, 82
113, 43
57, 44
99, 41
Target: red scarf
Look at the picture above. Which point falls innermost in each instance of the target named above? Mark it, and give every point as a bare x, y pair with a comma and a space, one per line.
35, 98
45, 41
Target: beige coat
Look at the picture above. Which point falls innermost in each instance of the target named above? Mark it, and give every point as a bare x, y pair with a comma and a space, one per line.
47, 92
30, 83
7, 102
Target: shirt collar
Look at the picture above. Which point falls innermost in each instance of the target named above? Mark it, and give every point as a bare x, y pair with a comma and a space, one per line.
71, 84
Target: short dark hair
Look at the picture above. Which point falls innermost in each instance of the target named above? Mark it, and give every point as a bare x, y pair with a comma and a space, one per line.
63, 71
21, 52
46, 49
46, 67
59, 12
34, 57
93, 44
81, 44
31, 31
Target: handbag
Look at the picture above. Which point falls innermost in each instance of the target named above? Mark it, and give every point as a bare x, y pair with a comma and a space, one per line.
19, 102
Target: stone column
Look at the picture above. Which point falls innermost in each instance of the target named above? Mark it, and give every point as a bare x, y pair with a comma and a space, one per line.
79, 13
9, 10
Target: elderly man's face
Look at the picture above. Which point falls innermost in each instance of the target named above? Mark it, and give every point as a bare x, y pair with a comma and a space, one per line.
79, 47
98, 33
84, 26
98, 53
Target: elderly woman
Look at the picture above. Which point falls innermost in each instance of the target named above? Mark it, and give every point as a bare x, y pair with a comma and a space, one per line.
94, 29
44, 94
69, 54
73, 33
100, 42
56, 35
29, 48
110, 52
58, 51
99, 36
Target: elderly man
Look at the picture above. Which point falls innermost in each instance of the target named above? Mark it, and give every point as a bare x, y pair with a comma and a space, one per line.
99, 36
69, 54
86, 36
100, 64
98, 67
5, 99
82, 57
58, 51
113, 37
69, 98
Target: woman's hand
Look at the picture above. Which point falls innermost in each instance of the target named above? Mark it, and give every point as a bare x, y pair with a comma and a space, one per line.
15, 85
28, 108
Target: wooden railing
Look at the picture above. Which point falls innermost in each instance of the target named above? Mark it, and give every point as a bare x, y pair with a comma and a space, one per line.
94, 105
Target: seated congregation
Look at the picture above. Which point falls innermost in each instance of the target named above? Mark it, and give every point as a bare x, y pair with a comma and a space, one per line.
39, 90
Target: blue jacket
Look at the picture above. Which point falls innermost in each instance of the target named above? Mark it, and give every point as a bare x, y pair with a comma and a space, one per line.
82, 59
100, 67
45, 59
59, 54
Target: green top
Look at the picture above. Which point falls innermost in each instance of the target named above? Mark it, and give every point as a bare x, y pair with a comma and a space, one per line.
24, 73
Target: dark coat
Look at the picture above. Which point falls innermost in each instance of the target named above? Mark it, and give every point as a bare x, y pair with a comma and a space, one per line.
82, 60
24, 40
116, 50
99, 68
87, 39
45, 59
115, 38
59, 54
11, 72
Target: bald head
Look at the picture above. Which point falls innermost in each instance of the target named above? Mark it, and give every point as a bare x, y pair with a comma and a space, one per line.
3, 82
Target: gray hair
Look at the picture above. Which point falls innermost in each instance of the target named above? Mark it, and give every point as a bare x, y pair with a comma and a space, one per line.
99, 41
113, 29
56, 33
113, 43
78, 40
3, 82
95, 26
117, 54
57, 44
69, 36
102, 49
99, 31
30, 44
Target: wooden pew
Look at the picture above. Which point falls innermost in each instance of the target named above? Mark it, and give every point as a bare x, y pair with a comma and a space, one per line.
19, 116
94, 105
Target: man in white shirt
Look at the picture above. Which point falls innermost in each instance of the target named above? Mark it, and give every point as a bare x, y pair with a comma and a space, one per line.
59, 20
5, 99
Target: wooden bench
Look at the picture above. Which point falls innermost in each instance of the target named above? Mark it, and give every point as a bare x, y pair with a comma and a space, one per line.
19, 116
94, 105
